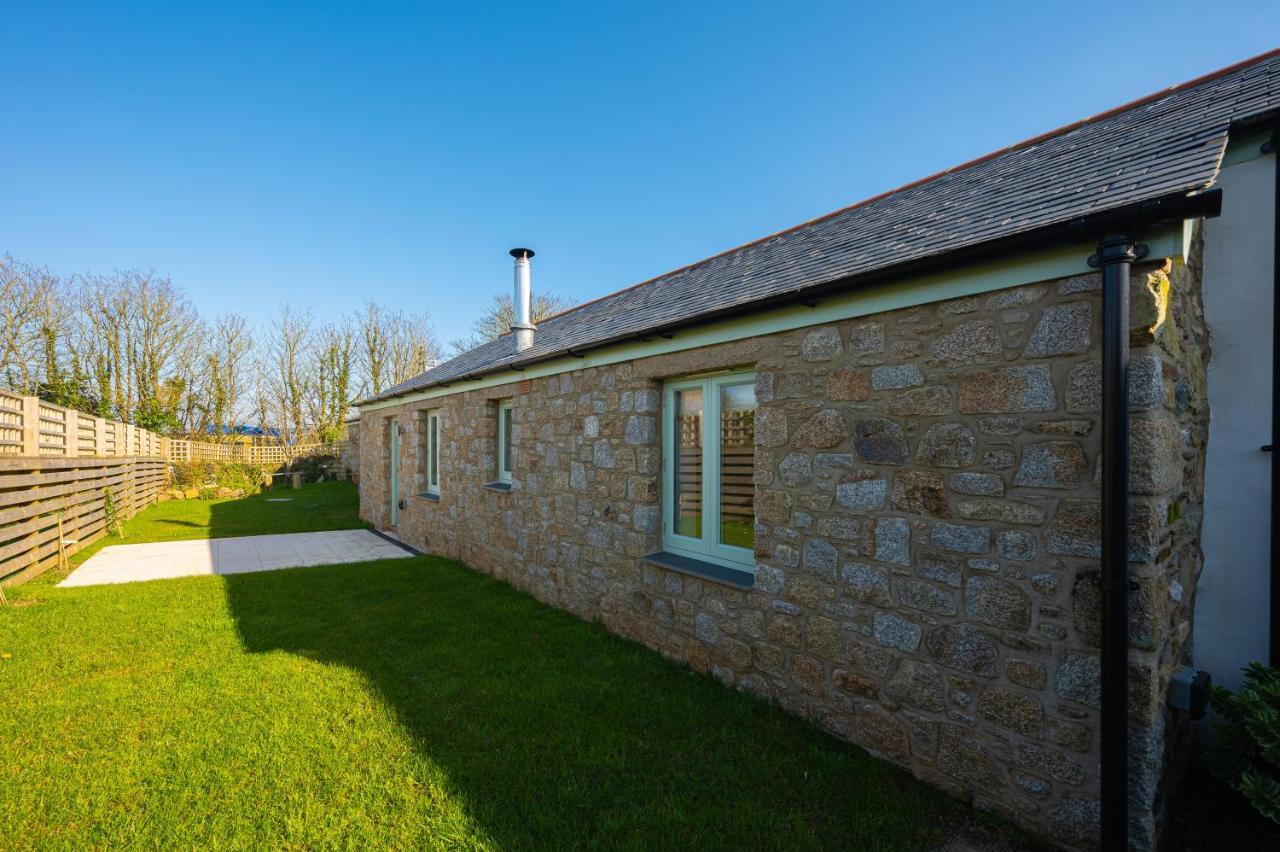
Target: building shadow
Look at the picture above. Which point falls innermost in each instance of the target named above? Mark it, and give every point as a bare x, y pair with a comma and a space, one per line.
556, 734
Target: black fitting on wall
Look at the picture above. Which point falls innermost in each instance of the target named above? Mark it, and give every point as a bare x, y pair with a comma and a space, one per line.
1116, 254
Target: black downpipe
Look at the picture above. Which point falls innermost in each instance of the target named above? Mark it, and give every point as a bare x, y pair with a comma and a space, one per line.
1275, 415
1116, 253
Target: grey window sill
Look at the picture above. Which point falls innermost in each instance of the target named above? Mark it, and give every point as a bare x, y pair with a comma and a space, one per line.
739, 578
434, 498
498, 486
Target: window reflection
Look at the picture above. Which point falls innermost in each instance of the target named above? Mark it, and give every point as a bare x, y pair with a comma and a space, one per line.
687, 510
737, 464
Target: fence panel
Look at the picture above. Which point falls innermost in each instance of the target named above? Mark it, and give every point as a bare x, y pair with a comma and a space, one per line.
35, 492
52, 430
11, 424
31, 427
58, 462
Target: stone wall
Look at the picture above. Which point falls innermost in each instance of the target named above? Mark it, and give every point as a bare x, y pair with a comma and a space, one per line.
927, 528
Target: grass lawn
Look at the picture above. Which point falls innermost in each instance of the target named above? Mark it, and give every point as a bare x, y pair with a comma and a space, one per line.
407, 703
321, 506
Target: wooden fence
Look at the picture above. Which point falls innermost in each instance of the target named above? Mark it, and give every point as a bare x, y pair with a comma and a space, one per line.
178, 449
37, 493
33, 428
57, 463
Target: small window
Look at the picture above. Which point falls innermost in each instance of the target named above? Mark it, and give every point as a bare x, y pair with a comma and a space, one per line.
504, 441
708, 434
431, 454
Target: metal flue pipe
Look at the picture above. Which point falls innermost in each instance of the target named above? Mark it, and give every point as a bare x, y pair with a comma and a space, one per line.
523, 328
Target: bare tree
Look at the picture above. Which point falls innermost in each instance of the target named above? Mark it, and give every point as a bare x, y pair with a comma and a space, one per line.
287, 387
17, 307
334, 355
230, 353
192, 381
414, 347
501, 315
106, 340
162, 323
130, 345
394, 346
142, 341
373, 339
30, 311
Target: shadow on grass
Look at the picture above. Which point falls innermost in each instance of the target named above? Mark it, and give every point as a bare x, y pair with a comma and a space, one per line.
556, 734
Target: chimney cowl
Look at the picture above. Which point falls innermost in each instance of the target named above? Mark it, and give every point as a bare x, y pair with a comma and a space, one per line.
522, 329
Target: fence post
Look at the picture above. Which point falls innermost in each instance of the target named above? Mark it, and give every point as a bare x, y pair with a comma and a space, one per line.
30, 426
71, 432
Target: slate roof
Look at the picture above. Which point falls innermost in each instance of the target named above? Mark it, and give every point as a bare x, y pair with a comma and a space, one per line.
1169, 143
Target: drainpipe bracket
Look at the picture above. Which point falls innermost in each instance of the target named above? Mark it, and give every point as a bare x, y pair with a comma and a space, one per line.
1117, 250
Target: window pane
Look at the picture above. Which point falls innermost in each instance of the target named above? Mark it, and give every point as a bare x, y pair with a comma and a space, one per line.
737, 464
688, 464
433, 451
506, 439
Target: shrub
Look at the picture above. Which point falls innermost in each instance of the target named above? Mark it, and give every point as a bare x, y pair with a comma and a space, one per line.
199, 474
1247, 753
111, 514
311, 467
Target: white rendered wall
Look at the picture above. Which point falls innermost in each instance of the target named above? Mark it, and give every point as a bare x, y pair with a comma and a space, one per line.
1231, 619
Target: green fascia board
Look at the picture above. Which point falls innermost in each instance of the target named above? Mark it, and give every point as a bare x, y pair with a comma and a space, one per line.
1171, 242
1245, 148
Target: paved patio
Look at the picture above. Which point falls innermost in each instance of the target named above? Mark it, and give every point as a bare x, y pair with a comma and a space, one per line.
130, 563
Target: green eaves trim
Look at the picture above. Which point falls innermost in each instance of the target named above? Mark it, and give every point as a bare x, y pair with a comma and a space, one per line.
1171, 242
1244, 148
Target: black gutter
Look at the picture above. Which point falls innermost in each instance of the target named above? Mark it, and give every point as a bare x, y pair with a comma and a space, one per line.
1116, 253
1150, 213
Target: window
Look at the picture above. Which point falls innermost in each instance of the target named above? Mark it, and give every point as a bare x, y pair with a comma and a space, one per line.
431, 454
504, 441
708, 435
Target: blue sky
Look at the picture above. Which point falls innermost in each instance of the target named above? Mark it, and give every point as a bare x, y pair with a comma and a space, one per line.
325, 154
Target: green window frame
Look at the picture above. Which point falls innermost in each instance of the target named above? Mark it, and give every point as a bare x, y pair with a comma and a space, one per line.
431, 454
722, 468
505, 428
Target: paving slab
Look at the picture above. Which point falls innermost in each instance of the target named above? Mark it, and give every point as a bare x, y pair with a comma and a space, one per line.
131, 563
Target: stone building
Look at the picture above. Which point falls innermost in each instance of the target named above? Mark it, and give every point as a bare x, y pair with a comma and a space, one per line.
856, 467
